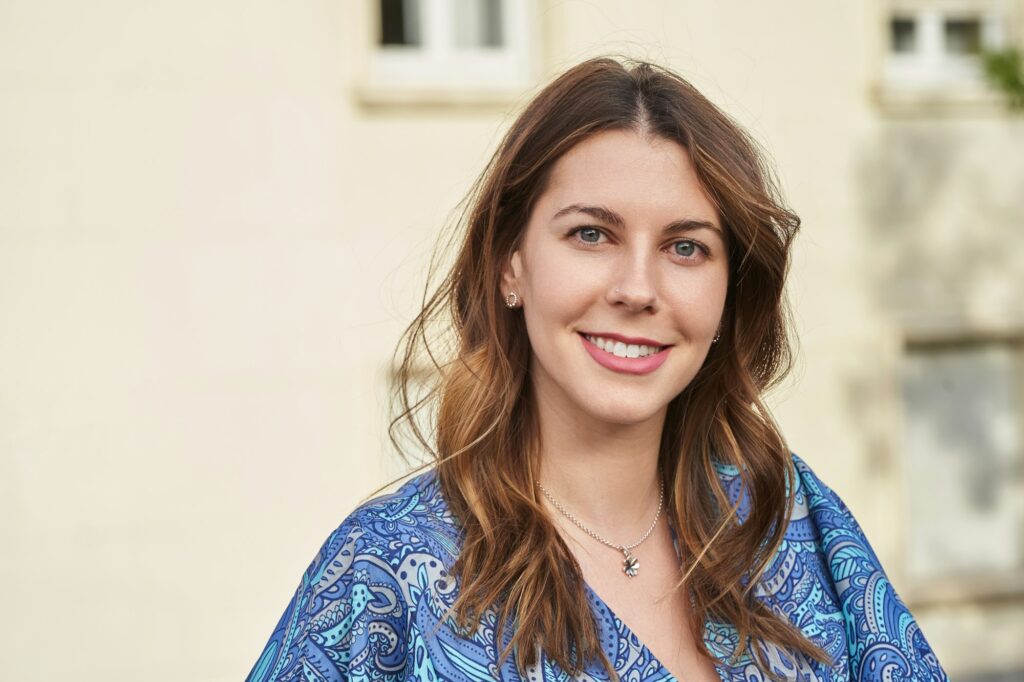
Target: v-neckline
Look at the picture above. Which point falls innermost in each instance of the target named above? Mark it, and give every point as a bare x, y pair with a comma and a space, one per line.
644, 649
664, 672
625, 630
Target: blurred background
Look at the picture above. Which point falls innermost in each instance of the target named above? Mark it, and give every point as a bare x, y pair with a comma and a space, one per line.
215, 219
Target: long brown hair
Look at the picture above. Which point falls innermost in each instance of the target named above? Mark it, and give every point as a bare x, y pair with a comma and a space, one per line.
478, 417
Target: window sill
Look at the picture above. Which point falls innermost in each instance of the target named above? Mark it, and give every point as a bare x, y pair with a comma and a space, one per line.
437, 95
983, 587
968, 100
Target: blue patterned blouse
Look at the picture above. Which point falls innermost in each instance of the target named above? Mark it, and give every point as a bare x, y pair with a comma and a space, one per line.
370, 604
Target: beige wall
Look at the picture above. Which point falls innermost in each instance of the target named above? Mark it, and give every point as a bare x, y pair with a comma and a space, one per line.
208, 246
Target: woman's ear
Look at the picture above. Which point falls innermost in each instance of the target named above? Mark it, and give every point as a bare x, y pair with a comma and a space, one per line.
510, 275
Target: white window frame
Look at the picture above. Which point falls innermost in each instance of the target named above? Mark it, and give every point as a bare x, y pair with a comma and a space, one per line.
438, 70
930, 75
930, 67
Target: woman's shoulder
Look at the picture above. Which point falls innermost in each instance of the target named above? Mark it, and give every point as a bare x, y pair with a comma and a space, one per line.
397, 537
799, 478
369, 577
802, 483
827, 580
819, 518
413, 518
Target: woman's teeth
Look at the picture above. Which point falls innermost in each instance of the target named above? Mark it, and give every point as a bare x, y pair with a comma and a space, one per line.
623, 350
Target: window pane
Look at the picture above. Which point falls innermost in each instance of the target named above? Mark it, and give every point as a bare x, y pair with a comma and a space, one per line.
963, 36
399, 22
903, 35
963, 450
478, 23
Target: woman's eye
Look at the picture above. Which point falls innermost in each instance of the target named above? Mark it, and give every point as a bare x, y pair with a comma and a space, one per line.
686, 249
587, 235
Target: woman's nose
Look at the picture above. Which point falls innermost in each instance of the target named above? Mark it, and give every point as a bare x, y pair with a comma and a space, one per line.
634, 289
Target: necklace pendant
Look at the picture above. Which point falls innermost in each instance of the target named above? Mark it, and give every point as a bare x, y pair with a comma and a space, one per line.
630, 564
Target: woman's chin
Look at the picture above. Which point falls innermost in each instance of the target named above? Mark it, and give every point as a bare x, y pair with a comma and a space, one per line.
617, 413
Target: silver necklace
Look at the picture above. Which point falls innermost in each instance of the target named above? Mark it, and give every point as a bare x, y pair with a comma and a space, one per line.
630, 564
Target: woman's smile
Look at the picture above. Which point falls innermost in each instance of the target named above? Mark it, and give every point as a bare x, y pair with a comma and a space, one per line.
624, 354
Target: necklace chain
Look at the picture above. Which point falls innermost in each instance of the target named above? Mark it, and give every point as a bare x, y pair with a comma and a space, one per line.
579, 524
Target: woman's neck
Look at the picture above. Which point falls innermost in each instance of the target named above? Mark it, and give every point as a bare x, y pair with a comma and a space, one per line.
605, 474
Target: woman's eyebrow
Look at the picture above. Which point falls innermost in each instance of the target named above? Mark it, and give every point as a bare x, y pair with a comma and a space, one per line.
611, 217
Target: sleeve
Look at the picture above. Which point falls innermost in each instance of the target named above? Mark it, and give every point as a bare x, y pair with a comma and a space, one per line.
885, 641
347, 619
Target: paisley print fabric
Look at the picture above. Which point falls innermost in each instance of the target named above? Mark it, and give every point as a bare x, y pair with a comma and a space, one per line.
372, 604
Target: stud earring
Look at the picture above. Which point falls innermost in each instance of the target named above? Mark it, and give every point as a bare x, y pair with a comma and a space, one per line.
512, 300
718, 335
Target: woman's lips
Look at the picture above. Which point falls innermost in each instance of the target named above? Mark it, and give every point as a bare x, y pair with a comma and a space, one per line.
638, 340
641, 365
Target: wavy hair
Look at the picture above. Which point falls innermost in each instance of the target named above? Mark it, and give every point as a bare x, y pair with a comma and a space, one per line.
476, 413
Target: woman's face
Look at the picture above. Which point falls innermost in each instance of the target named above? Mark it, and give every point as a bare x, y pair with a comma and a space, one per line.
622, 273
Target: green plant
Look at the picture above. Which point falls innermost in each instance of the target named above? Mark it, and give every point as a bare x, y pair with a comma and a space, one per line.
1004, 71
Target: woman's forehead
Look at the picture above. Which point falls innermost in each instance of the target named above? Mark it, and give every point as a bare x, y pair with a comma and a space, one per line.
630, 174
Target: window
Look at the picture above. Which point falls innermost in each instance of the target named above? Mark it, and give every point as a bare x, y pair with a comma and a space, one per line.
964, 453
449, 49
904, 35
962, 36
932, 48
399, 22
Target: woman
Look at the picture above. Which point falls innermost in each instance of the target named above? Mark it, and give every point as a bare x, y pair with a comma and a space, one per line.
609, 497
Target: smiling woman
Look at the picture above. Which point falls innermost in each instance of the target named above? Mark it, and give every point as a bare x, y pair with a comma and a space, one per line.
609, 497
636, 242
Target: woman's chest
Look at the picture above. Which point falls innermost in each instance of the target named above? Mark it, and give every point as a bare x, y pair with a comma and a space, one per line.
653, 608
